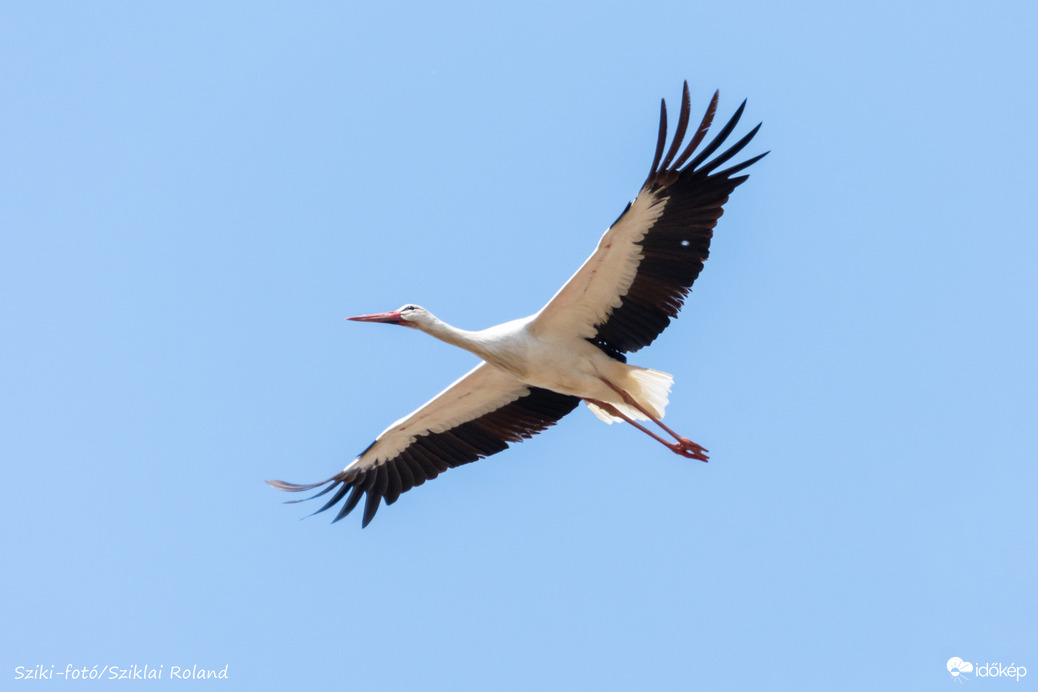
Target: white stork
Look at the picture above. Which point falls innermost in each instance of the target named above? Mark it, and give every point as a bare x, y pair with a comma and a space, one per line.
537, 369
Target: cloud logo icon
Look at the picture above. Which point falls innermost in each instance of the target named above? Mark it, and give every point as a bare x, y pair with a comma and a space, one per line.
956, 666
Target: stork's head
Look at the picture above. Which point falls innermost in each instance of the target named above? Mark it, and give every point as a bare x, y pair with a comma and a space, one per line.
406, 316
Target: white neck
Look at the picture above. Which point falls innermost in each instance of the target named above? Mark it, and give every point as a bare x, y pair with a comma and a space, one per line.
470, 341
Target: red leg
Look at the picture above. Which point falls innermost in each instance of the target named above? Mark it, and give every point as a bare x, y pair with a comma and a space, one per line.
684, 446
685, 443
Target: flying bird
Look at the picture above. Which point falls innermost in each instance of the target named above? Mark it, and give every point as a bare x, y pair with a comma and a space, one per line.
537, 369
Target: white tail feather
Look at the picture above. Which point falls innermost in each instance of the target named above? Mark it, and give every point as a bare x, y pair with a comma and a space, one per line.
650, 388
602, 415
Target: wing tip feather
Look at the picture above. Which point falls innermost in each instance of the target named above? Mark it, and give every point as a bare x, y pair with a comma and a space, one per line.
295, 487
661, 138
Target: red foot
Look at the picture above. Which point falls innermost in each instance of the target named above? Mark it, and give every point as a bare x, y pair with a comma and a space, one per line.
689, 449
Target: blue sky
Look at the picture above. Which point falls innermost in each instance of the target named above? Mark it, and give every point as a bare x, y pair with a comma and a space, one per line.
194, 196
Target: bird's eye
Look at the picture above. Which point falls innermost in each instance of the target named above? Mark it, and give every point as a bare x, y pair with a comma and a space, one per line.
409, 307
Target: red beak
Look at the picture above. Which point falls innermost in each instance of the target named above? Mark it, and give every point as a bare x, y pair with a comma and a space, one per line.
388, 317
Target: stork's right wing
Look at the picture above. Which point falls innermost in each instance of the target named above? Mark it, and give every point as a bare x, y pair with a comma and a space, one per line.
473, 418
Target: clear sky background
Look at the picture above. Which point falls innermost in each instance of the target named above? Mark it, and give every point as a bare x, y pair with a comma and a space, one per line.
193, 196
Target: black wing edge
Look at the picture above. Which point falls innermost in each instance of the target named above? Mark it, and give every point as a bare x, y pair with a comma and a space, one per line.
677, 245
433, 453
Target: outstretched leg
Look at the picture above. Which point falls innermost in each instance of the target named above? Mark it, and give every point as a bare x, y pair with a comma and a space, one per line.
683, 442
685, 447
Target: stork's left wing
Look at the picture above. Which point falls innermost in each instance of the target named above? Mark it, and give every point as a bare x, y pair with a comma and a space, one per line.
473, 418
636, 281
